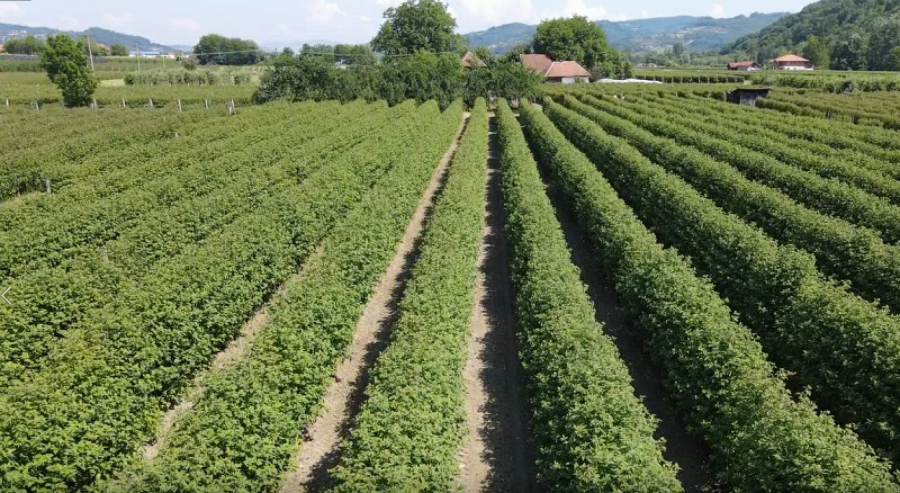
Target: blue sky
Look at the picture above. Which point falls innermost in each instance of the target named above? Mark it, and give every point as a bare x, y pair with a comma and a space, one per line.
273, 22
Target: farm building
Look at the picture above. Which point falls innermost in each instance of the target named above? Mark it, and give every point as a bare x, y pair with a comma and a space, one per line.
747, 97
565, 72
743, 66
470, 61
792, 62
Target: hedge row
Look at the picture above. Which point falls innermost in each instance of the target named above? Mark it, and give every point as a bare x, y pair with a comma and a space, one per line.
832, 142
242, 432
842, 250
589, 431
827, 196
784, 149
844, 349
409, 431
52, 298
760, 438
99, 395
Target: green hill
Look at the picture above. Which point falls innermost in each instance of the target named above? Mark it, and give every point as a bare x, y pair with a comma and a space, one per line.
97, 34
699, 33
859, 33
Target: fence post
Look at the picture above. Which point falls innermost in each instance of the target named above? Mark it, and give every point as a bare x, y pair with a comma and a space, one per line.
206, 100
179, 106
151, 102
47, 185
123, 103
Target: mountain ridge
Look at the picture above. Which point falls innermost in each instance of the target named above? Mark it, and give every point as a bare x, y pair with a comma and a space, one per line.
698, 33
97, 34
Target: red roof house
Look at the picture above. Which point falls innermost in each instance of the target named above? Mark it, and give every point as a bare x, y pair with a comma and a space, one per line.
743, 66
565, 72
792, 62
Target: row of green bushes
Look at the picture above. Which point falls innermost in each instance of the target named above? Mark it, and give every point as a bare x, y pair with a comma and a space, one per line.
150, 218
134, 356
809, 325
409, 431
761, 439
175, 77
590, 431
370, 193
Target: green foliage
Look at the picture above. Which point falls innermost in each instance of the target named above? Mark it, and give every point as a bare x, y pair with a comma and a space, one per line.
67, 67
422, 76
576, 39
589, 430
760, 437
201, 295
816, 52
183, 76
408, 433
213, 49
417, 25
29, 45
118, 50
285, 374
807, 324
885, 36
850, 53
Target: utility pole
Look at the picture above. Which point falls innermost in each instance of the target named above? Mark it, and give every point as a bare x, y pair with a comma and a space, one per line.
90, 52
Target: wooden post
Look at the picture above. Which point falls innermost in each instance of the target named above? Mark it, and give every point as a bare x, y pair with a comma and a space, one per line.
47, 185
105, 254
233, 109
123, 103
206, 100
179, 106
7, 102
151, 102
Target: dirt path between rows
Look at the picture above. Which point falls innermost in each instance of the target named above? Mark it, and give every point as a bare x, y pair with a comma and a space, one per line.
687, 451
233, 352
496, 455
320, 450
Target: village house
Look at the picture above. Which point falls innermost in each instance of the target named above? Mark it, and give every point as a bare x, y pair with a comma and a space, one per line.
792, 62
747, 66
470, 61
564, 72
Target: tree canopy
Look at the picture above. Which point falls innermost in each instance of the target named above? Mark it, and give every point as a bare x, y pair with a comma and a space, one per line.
816, 52
214, 49
66, 64
418, 25
118, 50
28, 45
576, 38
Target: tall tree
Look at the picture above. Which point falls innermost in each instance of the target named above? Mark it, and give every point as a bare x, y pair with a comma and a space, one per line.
885, 37
851, 53
576, 38
816, 52
118, 50
219, 50
418, 25
67, 67
29, 45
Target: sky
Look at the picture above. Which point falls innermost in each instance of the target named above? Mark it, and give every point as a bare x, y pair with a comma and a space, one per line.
276, 23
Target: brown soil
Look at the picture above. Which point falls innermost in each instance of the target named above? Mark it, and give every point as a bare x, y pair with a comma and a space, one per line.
320, 450
233, 352
496, 455
689, 452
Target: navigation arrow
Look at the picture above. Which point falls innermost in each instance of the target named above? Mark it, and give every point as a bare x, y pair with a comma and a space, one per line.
4, 296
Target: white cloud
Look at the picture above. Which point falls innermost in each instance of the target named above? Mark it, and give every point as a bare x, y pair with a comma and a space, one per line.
185, 24
113, 20
496, 11
323, 12
9, 9
389, 3
717, 10
580, 7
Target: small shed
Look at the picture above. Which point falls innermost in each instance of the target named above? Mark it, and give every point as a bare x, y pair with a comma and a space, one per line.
747, 66
747, 96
